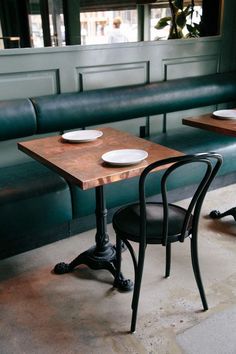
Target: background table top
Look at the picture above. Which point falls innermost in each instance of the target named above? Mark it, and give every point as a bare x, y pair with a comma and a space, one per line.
81, 163
209, 122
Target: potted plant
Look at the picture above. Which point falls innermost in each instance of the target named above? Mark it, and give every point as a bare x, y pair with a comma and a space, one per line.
181, 17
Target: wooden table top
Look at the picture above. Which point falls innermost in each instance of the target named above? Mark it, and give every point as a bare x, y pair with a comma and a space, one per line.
81, 163
209, 122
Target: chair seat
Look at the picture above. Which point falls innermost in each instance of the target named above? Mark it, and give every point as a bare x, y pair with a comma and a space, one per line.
126, 222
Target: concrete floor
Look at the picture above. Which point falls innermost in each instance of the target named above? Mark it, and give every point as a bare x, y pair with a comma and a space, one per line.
44, 313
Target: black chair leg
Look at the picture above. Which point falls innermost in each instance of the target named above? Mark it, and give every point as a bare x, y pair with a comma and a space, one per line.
196, 270
168, 260
137, 287
118, 259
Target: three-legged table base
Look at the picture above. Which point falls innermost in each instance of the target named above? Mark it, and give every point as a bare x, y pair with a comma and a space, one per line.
103, 254
215, 214
95, 259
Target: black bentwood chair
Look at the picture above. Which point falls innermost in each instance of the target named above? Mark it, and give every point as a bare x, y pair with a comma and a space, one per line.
164, 223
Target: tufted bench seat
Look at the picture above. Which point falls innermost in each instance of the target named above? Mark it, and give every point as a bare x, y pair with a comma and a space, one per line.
192, 140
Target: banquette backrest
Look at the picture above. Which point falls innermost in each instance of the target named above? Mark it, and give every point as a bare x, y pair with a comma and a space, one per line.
52, 113
74, 110
17, 119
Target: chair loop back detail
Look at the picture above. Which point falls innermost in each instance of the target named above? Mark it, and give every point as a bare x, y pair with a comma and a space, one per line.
195, 205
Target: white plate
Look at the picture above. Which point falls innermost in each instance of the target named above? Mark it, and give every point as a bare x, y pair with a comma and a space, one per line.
124, 157
225, 114
79, 136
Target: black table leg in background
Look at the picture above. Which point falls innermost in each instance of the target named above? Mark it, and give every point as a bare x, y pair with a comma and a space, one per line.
103, 254
215, 214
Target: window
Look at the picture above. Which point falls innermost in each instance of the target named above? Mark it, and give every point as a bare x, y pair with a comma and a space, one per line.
38, 23
99, 27
1, 38
46, 23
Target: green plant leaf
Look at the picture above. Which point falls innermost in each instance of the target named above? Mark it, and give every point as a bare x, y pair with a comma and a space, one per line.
181, 20
173, 35
163, 22
188, 10
197, 26
193, 31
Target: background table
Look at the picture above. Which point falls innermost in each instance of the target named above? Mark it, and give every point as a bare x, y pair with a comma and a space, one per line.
222, 126
81, 164
209, 122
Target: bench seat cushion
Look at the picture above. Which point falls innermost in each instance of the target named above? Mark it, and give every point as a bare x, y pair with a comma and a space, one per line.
36, 197
192, 140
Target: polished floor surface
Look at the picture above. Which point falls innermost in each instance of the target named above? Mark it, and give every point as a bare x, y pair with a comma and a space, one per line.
44, 313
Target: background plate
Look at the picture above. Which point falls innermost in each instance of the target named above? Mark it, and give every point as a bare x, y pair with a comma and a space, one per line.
80, 136
225, 114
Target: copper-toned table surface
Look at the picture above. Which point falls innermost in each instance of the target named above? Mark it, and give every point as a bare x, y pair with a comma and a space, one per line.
81, 163
209, 122
222, 126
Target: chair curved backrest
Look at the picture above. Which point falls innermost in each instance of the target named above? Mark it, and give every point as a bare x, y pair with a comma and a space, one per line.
211, 161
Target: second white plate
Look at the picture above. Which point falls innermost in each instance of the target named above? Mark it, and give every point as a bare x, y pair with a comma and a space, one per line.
225, 114
124, 157
80, 136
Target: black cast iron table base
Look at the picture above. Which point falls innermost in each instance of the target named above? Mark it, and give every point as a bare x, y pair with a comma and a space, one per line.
96, 260
103, 254
215, 214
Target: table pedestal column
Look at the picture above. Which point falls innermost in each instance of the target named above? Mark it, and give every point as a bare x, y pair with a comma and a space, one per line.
103, 254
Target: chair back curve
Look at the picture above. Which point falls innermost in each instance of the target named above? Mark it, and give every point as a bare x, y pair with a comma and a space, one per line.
207, 166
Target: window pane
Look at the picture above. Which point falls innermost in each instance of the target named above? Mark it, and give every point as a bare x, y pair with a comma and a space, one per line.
56, 20
156, 15
161, 15
1, 40
108, 26
36, 31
